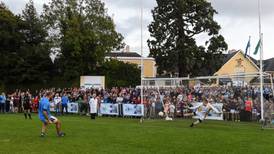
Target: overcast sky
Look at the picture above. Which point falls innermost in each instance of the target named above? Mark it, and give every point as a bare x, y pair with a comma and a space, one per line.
238, 19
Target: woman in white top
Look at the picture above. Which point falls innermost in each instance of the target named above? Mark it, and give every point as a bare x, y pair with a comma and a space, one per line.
57, 104
93, 103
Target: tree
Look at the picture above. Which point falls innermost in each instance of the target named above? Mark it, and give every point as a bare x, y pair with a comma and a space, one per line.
10, 42
24, 51
173, 31
35, 51
83, 32
120, 74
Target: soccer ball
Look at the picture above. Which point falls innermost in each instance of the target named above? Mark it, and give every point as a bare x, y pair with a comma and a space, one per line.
262, 121
169, 119
161, 114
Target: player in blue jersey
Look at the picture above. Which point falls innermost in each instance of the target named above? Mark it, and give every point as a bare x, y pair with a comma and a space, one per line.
46, 117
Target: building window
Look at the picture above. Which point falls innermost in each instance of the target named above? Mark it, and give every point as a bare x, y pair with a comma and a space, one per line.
168, 83
239, 79
152, 83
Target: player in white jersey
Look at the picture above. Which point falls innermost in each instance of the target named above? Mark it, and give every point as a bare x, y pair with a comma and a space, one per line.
202, 111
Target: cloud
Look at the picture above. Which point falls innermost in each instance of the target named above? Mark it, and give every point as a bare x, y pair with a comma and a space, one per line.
127, 17
243, 8
238, 19
18, 5
131, 4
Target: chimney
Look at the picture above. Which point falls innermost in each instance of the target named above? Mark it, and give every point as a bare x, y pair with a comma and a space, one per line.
127, 48
232, 51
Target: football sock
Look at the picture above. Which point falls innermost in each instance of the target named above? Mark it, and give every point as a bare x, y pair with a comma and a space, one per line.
61, 134
191, 125
42, 134
196, 122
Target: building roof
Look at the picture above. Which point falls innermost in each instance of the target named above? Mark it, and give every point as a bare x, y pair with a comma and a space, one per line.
227, 57
269, 64
123, 54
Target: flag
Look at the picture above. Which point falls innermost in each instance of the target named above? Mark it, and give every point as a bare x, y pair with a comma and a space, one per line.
247, 47
257, 47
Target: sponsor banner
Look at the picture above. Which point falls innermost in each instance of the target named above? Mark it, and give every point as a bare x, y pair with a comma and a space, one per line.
109, 109
133, 109
73, 107
213, 115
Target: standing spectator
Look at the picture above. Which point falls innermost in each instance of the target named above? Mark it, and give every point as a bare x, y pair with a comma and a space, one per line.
93, 103
166, 107
248, 108
22, 95
100, 100
35, 104
65, 102
158, 106
147, 104
11, 103
80, 102
27, 105
16, 102
226, 108
119, 100
2, 102
242, 109
152, 106
84, 107
172, 110
233, 107
268, 108
7, 107
57, 104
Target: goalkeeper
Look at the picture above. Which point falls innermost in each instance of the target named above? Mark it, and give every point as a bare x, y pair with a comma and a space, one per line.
202, 111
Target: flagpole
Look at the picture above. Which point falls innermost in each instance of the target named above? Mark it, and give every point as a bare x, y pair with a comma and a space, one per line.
142, 60
261, 61
249, 46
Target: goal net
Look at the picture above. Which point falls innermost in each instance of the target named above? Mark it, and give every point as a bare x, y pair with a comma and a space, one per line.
230, 87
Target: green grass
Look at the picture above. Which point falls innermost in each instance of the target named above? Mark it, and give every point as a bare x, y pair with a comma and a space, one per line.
117, 135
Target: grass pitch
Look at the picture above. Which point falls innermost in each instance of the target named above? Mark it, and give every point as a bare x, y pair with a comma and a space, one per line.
117, 135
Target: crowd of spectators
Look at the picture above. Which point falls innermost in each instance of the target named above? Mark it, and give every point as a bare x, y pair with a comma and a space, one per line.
239, 103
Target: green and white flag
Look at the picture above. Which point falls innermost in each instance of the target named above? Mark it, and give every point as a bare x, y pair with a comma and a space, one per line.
257, 47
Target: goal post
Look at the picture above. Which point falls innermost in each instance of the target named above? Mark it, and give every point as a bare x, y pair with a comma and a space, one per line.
226, 80
210, 80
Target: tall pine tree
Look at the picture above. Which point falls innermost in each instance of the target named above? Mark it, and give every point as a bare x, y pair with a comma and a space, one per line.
11, 40
175, 25
35, 51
